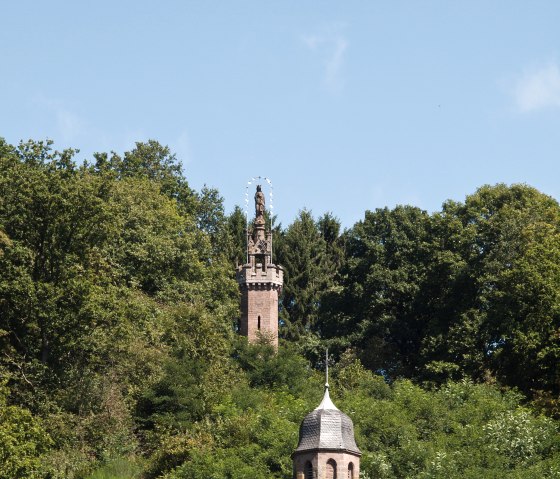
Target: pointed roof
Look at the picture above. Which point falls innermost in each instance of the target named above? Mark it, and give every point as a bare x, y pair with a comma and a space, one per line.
327, 428
326, 403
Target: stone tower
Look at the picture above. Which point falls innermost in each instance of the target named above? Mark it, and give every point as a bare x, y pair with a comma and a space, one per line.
327, 448
260, 281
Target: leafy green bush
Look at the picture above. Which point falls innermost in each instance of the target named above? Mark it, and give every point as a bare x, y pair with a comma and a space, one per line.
121, 468
22, 441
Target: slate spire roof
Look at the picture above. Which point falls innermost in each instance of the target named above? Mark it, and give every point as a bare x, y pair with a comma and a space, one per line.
327, 428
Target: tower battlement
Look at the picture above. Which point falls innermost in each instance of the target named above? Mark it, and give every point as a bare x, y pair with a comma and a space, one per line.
250, 276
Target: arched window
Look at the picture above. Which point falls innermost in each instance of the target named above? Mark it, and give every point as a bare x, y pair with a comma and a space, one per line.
259, 323
331, 469
308, 470
351, 471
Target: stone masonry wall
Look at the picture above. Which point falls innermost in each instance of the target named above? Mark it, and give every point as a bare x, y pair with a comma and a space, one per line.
259, 301
319, 462
259, 297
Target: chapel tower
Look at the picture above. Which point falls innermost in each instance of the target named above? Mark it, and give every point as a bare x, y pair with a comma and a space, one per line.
260, 281
327, 448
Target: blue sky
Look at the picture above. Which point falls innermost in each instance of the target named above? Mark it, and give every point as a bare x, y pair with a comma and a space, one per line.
346, 106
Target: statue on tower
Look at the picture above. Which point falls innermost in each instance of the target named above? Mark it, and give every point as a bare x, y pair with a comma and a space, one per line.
259, 202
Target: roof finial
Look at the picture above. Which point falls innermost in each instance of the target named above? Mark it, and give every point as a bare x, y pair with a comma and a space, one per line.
326, 403
327, 368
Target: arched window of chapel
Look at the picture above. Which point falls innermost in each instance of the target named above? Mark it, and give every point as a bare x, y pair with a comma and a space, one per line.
331, 469
308, 470
351, 471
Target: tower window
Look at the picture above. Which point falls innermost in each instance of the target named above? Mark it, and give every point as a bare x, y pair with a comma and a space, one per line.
308, 470
351, 471
259, 323
331, 469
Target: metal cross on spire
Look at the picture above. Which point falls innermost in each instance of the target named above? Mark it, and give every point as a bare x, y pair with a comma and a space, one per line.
327, 368
326, 403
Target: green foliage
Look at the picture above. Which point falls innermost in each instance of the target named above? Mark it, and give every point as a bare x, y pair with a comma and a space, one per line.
23, 440
236, 230
121, 468
378, 302
92, 258
265, 367
117, 302
229, 464
153, 162
506, 297
253, 432
470, 292
460, 430
304, 250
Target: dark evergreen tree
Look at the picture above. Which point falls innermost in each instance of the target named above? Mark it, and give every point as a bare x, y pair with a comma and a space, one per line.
302, 251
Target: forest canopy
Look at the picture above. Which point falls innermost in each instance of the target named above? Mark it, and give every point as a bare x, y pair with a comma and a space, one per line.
119, 356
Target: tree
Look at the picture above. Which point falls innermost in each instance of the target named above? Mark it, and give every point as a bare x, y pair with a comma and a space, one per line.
376, 304
237, 234
302, 251
491, 289
154, 162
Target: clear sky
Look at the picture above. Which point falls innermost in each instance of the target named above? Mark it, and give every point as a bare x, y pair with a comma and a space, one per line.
345, 105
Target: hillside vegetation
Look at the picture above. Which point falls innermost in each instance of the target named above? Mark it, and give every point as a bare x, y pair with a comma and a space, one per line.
118, 310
